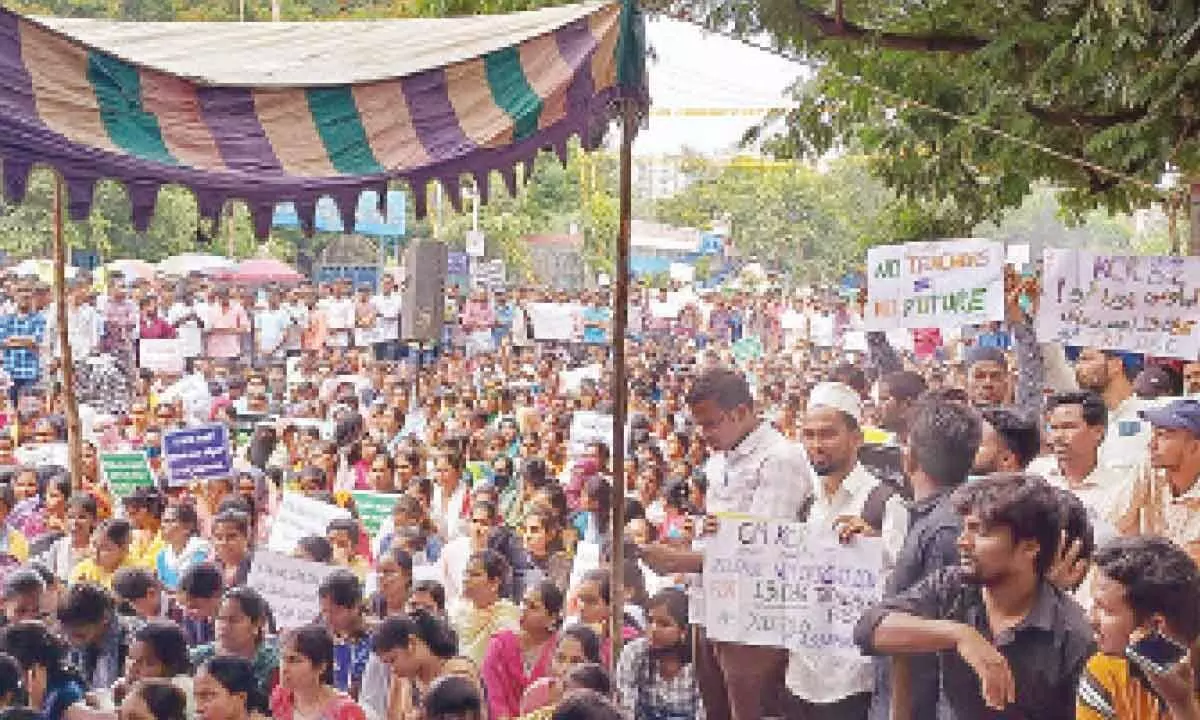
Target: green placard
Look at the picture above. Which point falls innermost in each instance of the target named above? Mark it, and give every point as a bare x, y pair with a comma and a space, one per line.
124, 472
374, 508
747, 349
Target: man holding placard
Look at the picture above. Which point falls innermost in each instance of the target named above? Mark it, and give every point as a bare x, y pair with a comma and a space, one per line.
825, 686
761, 473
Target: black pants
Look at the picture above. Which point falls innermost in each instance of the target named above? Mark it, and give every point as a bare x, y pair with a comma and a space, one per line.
855, 707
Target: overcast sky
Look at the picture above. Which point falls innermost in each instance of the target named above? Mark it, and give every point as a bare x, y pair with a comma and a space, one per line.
695, 69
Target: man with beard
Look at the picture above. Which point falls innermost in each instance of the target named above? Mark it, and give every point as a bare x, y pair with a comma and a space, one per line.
1109, 374
988, 381
1010, 644
1009, 443
846, 497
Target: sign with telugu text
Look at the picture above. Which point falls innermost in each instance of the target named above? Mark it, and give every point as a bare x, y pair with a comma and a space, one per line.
556, 321
777, 584
289, 585
943, 284
589, 426
125, 472
299, 516
1145, 304
196, 453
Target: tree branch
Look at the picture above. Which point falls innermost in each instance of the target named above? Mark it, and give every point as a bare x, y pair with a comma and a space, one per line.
1057, 116
836, 26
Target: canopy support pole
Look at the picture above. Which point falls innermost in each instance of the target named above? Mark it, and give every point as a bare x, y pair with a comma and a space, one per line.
620, 385
67, 363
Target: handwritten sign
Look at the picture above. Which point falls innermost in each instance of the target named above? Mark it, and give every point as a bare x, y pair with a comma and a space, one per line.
588, 426
777, 584
556, 321
300, 516
289, 585
1141, 304
161, 356
125, 472
42, 454
945, 283
196, 453
374, 508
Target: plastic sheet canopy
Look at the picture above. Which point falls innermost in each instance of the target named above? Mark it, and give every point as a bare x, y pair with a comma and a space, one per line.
291, 112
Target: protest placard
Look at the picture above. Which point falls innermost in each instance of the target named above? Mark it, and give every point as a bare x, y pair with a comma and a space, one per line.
289, 585
1147, 304
944, 283
746, 350
42, 454
556, 321
374, 508
125, 472
161, 356
570, 381
588, 426
196, 453
785, 585
299, 516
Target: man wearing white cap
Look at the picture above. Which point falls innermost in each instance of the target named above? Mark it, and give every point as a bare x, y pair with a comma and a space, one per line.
846, 497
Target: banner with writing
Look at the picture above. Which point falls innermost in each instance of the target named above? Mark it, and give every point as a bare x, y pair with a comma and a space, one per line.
777, 584
556, 321
161, 356
196, 453
374, 508
1147, 304
289, 585
944, 283
125, 472
299, 516
589, 426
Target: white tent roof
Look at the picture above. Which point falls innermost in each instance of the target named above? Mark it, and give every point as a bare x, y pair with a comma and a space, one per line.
306, 54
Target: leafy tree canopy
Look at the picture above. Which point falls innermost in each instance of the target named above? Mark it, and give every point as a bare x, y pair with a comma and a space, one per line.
1112, 82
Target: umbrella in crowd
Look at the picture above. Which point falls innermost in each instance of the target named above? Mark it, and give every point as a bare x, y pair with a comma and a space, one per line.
179, 265
132, 268
261, 270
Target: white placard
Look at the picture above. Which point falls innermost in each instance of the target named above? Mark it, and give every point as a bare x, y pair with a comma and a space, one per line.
944, 284
682, 272
1142, 304
570, 381
587, 558
776, 584
1017, 254
42, 454
161, 356
289, 585
475, 243
588, 426
299, 516
556, 321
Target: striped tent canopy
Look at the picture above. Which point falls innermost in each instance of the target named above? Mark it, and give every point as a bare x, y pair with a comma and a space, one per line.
291, 112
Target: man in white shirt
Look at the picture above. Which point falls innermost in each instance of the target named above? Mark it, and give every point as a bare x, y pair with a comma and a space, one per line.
339, 311
764, 474
1078, 422
849, 499
387, 320
1107, 374
271, 325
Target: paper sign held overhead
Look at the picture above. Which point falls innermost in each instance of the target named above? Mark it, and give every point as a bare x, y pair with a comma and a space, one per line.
1147, 304
940, 284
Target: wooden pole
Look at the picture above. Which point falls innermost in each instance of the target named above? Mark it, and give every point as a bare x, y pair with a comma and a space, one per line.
74, 438
619, 383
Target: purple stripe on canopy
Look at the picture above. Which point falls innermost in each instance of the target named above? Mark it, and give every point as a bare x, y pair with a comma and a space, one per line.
576, 45
433, 116
231, 116
16, 88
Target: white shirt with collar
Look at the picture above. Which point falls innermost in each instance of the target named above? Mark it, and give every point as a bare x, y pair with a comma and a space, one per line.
1127, 438
818, 677
766, 475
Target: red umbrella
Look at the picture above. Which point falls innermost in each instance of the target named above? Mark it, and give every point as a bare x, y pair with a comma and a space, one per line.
262, 270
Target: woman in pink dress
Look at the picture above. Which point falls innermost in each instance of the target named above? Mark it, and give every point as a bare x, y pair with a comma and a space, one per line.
305, 687
515, 660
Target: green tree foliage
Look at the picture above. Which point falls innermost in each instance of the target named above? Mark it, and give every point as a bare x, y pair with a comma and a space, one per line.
1113, 82
800, 220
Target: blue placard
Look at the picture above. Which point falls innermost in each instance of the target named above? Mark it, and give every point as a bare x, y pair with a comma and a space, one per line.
368, 220
458, 263
196, 453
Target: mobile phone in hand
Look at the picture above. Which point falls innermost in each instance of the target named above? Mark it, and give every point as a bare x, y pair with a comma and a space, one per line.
1156, 652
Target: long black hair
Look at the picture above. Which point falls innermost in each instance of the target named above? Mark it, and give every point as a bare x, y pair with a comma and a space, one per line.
32, 645
236, 675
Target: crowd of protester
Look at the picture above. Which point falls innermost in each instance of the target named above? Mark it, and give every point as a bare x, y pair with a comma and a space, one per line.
1038, 506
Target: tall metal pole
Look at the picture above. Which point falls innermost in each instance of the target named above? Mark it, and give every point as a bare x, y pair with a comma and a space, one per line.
74, 438
619, 384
